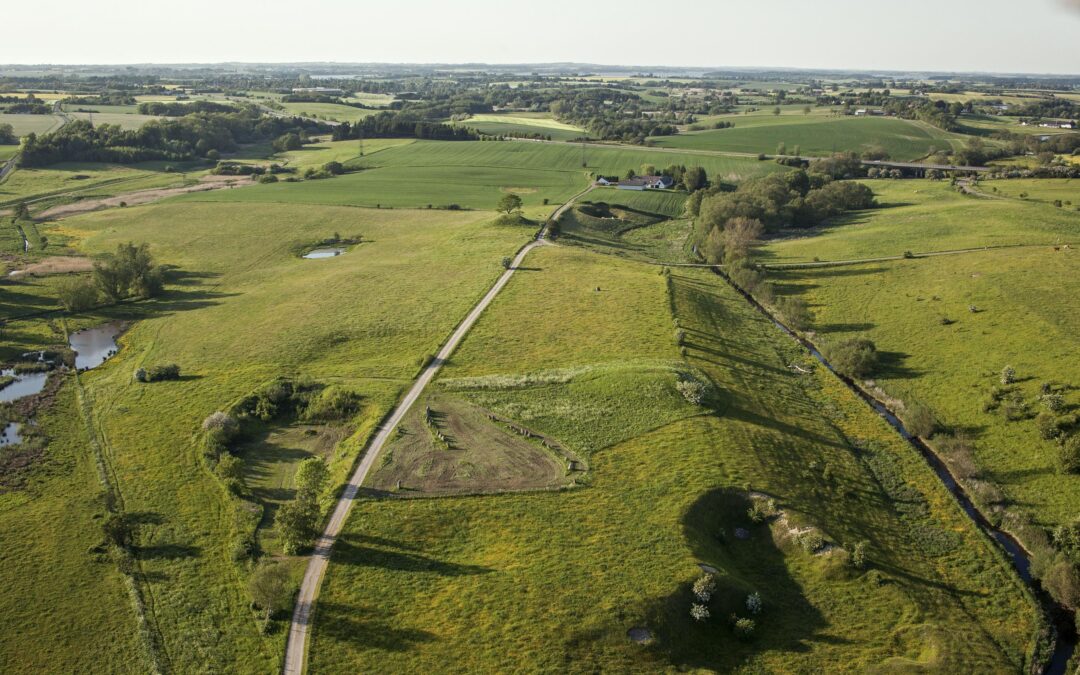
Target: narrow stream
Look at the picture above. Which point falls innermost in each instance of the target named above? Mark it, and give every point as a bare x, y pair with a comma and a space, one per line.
1059, 617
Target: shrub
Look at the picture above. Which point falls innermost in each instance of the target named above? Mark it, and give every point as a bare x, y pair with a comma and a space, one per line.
704, 587
699, 612
230, 468
753, 603
1047, 424
1062, 582
1069, 455
811, 541
858, 555
296, 522
507, 261
334, 403
795, 311
761, 510
1053, 401
1008, 375
268, 178
221, 427
270, 588
920, 420
692, 390
141, 375
744, 628
168, 371
854, 357
77, 294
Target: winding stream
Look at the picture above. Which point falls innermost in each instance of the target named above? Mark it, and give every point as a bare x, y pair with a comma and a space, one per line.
1058, 616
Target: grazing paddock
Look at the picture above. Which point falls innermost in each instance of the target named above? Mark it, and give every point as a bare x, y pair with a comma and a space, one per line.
816, 135
435, 579
31, 124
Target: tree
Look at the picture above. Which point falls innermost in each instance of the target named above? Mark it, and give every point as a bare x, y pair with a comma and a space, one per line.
509, 203
806, 110
7, 135
695, 178
296, 522
753, 603
795, 310
311, 477
713, 246
270, 588
77, 294
119, 529
740, 234
781, 148
128, 272
1069, 455
286, 142
507, 261
776, 110
699, 612
854, 357
648, 170
230, 467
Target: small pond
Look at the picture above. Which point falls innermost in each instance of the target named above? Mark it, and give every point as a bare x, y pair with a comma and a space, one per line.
9, 434
317, 253
94, 346
25, 384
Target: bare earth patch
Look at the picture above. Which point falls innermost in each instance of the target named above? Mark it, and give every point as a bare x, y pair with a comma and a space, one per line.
141, 197
60, 264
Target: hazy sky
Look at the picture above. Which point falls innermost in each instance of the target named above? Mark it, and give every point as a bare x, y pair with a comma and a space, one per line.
982, 35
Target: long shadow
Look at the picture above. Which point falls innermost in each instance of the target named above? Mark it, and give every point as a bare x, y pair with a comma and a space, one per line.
891, 365
364, 628
753, 564
168, 551
351, 550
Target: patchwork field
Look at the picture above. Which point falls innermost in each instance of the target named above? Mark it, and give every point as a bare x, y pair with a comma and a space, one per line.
563, 577
336, 112
817, 135
474, 175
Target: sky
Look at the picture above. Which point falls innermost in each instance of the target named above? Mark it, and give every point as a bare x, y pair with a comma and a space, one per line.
1030, 36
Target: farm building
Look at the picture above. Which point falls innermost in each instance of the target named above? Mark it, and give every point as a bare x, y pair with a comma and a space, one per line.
646, 183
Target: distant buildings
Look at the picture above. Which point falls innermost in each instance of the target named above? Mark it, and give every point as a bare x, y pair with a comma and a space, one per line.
327, 91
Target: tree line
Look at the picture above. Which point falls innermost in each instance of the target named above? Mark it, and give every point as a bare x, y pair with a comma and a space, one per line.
183, 138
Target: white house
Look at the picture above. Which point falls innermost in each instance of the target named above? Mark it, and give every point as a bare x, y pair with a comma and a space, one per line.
647, 183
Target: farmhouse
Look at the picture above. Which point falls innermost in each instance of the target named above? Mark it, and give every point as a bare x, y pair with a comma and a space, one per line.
646, 183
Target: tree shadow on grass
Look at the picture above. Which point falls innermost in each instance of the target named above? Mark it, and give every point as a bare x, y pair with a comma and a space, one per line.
789, 623
366, 628
351, 550
167, 551
891, 365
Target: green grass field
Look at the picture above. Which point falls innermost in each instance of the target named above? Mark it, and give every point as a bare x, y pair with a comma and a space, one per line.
124, 120
923, 216
943, 355
817, 135
242, 309
26, 124
561, 577
336, 112
7, 152
661, 202
473, 175
86, 179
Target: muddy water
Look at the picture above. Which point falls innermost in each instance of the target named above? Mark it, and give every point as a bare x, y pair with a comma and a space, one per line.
324, 253
94, 346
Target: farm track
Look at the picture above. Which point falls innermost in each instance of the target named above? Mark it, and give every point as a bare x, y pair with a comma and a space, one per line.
296, 646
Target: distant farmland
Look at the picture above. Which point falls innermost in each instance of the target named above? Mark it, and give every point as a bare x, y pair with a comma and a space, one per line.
817, 135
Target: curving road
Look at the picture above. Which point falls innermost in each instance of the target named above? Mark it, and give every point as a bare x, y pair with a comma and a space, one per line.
296, 647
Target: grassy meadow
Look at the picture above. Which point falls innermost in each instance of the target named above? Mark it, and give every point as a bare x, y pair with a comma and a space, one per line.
336, 112
473, 175
816, 134
924, 216
243, 308
27, 124
561, 578
62, 182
